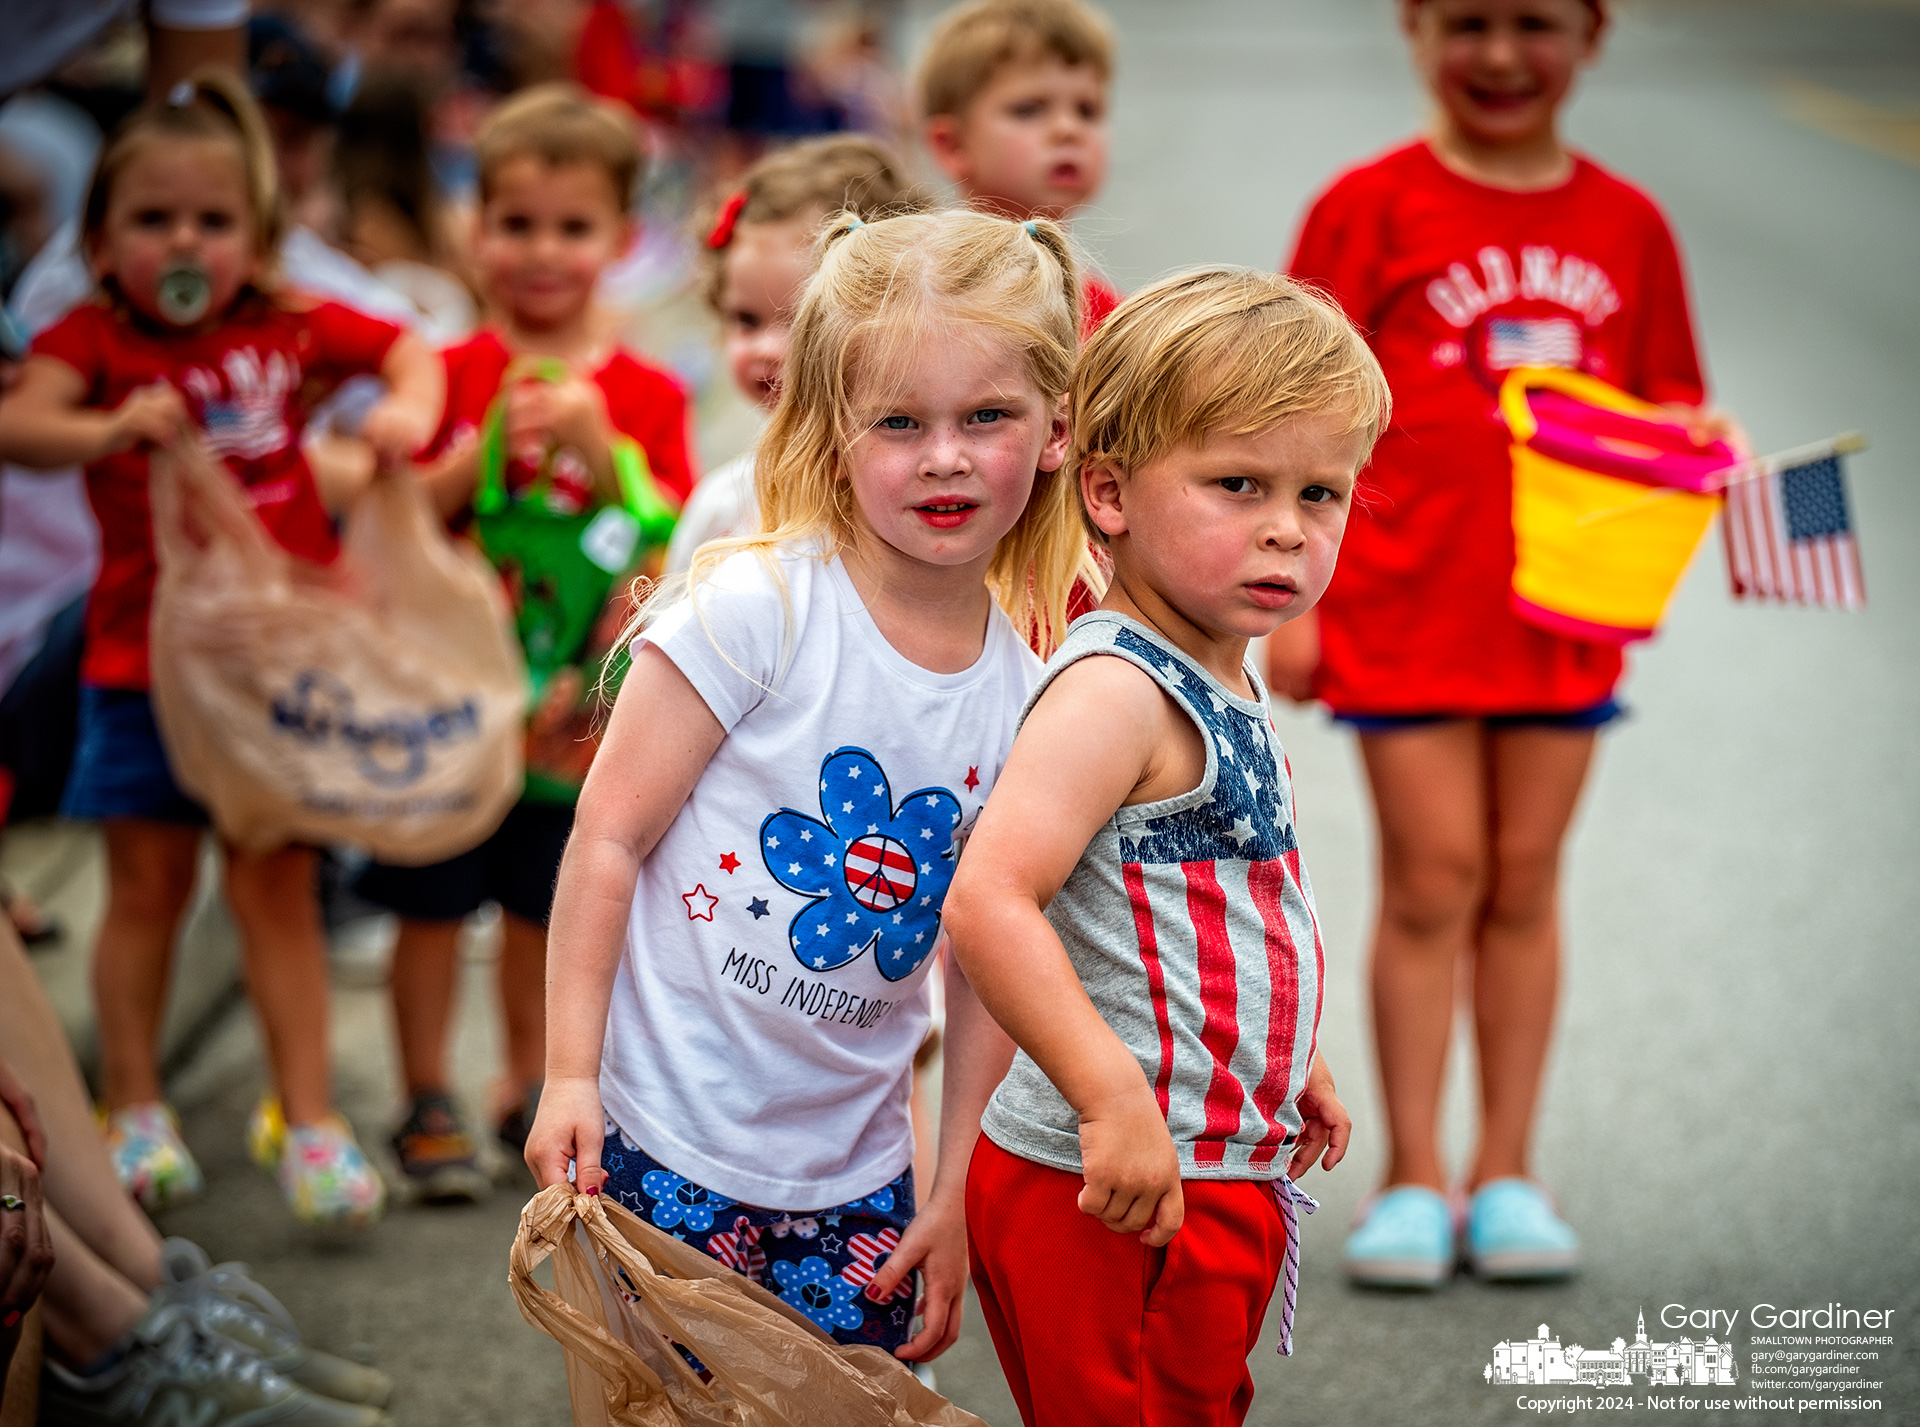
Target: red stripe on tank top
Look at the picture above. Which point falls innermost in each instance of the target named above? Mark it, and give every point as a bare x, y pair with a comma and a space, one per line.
1156, 975
1220, 1001
1266, 887
1319, 956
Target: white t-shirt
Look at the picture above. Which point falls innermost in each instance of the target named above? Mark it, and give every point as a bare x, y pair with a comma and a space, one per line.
772, 992
721, 505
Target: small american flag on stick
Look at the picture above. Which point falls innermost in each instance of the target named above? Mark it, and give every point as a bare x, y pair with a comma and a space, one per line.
1789, 528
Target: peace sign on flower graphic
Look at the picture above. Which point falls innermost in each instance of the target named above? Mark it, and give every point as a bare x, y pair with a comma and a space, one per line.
875, 875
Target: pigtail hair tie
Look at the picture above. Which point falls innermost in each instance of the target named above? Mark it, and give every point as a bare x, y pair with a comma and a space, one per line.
182, 94
853, 223
1033, 228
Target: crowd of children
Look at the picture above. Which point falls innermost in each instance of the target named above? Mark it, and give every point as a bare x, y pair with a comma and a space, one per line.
733, 897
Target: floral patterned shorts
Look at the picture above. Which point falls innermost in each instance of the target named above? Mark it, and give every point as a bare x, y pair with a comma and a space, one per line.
818, 1261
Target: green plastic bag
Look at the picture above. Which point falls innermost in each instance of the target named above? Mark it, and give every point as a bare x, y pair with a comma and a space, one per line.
562, 562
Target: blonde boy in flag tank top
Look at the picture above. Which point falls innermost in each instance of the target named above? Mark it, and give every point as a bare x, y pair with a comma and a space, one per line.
1132, 908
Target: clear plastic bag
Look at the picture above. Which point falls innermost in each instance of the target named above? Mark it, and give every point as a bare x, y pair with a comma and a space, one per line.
627, 1293
378, 701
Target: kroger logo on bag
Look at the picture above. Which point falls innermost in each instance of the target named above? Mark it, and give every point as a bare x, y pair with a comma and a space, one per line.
391, 751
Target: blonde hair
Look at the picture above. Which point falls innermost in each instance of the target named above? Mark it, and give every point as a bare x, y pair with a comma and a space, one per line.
839, 173
878, 288
976, 41
1217, 350
562, 124
211, 104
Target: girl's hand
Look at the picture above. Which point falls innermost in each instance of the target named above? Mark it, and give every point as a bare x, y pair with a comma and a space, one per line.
26, 1249
936, 1244
1131, 1168
152, 414
1293, 653
1325, 1122
569, 1125
398, 428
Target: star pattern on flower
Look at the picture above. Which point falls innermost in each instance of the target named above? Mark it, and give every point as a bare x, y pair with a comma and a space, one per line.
700, 903
864, 882
678, 1201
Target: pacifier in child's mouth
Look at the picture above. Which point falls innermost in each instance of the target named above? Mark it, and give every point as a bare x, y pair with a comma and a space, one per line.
184, 293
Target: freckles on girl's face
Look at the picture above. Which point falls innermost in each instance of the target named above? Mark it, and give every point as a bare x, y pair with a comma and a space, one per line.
951, 445
766, 266
175, 202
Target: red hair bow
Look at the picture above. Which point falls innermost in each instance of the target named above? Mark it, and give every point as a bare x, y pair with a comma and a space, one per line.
722, 233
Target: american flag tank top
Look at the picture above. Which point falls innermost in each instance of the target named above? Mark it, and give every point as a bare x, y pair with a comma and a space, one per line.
1190, 923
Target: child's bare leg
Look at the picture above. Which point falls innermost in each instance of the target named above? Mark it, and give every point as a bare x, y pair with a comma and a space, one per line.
523, 1001
78, 1176
150, 867
273, 900
1535, 775
426, 964
1429, 796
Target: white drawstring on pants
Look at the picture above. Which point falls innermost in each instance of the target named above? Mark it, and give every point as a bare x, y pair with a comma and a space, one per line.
1291, 1198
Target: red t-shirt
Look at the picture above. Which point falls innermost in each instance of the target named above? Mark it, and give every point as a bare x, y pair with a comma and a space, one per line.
1453, 284
1098, 297
248, 384
642, 402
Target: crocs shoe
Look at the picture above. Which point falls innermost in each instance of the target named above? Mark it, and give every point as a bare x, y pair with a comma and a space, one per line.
439, 1163
149, 1158
1513, 1233
1404, 1240
327, 1179
266, 1133
224, 1300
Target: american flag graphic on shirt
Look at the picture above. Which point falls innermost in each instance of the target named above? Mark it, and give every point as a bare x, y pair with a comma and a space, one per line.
1789, 534
1533, 342
1191, 925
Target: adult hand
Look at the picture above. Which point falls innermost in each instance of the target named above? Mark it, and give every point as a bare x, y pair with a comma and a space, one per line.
26, 1249
14, 1096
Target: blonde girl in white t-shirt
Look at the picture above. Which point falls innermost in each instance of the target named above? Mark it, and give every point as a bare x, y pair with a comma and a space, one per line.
747, 910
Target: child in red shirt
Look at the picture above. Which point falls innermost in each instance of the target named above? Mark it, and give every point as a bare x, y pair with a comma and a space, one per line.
1484, 246
558, 176
1014, 95
180, 225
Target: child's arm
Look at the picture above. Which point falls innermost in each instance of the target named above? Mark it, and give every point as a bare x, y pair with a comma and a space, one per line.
1058, 788
975, 1060
658, 742
451, 478
403, 421
44, 426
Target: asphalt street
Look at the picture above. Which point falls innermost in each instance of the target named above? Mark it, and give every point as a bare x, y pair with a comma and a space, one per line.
1732, 1116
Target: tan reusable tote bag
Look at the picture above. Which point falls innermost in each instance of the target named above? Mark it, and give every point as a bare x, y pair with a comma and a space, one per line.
377, 701
627, 1292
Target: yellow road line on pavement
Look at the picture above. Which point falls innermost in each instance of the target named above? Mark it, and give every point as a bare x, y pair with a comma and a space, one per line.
1885, 131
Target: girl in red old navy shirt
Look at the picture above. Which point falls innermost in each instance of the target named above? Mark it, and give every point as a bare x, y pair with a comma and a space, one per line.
188, 328
1483, 246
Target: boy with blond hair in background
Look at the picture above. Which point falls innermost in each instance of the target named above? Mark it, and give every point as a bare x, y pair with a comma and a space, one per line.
1013, 96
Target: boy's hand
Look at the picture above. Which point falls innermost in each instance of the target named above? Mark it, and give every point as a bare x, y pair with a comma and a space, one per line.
569, 1125
1131, 1168
566, 413
1325, 1122
154, 414
398, 429
936, 1244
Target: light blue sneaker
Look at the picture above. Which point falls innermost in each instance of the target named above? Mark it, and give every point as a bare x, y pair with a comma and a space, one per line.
1514, 1233
1404, 1240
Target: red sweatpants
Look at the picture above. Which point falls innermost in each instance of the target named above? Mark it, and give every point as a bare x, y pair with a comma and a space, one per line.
1093, 1328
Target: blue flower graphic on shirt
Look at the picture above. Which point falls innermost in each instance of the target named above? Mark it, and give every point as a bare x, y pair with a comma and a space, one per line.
818, 1292
876, 874
678, 1200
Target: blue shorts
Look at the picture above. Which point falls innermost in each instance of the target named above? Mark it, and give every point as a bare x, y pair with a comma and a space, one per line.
120, 767
1593, 717
817, 1260
515, 867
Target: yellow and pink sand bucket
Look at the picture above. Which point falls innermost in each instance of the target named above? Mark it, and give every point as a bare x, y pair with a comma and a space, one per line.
1610, 501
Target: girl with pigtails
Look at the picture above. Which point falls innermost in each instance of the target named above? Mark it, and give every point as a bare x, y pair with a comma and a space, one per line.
748, 907
189, 328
